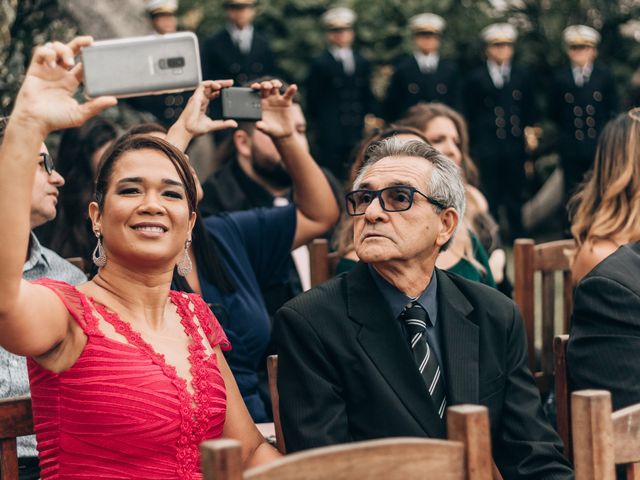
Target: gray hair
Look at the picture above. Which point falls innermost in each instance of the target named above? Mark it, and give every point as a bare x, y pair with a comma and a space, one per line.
445, 184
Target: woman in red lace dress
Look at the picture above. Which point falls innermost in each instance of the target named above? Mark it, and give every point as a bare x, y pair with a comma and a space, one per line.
127, 377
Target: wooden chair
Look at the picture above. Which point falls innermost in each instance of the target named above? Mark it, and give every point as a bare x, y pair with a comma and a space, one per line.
563, 398
272, 372
322, 263
15, 421
601, 439
466, 455
546, 258
78, 262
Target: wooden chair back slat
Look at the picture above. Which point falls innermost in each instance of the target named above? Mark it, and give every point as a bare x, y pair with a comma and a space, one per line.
548, 323
567, 297
322, 263
15, 421
626, 433
563, 399
546, 258
79, 262
602, 439
393, 459
469, 424
468, 458
272, 371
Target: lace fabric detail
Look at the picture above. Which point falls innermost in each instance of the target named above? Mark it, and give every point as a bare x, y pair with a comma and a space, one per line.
194, 409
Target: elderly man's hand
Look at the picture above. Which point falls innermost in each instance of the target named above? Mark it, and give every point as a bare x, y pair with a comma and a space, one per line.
46, 99
277, 121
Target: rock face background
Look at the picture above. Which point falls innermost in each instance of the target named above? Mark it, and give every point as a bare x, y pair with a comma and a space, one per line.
26, 23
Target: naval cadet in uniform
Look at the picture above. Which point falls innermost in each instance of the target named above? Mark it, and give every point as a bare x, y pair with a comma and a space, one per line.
583, 99
239, 51
499, 104
338, 93
423, 76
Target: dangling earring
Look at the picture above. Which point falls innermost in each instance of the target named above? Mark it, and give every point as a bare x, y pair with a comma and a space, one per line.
185, 266
98, 256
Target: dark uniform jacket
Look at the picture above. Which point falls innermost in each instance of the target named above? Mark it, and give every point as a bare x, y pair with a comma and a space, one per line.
410, 86
497, 116
336, 106
346, 372
605, 328
221, 58
166, 108
580, 113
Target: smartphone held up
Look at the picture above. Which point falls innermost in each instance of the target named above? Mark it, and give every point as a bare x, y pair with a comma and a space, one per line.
147, 65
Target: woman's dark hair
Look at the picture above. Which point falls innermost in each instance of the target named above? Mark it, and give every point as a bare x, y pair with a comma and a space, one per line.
71, 230
146, 128
209, 260
129, 143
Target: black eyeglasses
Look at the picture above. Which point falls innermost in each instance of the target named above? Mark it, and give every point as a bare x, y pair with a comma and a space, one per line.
48, 163
392, 199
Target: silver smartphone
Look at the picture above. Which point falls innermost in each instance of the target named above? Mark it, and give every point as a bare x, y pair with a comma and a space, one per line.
130, 67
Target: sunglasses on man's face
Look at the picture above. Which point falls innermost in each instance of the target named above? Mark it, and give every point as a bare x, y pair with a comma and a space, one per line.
47, 161
392, 199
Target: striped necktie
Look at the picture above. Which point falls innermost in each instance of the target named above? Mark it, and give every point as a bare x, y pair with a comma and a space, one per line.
415, 319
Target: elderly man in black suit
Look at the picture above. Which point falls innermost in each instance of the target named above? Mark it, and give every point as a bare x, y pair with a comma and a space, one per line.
423, 76
239, 51
605, 328
338, 93
383, 350
583, 99
499, 104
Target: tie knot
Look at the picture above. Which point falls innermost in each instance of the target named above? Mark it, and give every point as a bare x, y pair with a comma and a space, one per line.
415, 318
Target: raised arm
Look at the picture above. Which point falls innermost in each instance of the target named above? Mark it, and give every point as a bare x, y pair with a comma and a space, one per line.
32, 319
317, 207
193, 120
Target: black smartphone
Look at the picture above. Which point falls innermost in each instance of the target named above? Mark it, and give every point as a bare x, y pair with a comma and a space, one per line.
240, 103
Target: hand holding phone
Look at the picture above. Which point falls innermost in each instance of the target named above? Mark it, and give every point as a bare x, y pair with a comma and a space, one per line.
277, 120
193, 120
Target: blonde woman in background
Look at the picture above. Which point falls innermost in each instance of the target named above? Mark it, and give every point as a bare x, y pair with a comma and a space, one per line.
605, 212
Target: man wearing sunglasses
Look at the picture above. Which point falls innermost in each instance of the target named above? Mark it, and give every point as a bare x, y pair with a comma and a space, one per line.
40, 262
383, 350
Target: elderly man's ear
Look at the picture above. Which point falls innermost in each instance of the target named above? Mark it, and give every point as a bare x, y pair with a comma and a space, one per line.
448, 222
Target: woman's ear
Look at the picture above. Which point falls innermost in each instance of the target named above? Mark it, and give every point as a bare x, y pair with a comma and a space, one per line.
96, 217
192, 222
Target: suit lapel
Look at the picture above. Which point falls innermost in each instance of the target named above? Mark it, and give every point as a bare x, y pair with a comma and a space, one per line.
381, 338
460, 343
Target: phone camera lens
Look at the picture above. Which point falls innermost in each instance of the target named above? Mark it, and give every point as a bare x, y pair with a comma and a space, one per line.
175, 62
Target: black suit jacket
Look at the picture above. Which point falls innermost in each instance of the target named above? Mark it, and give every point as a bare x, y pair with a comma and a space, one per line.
346, 372
410, 86
497, 116
221, 58
605, 328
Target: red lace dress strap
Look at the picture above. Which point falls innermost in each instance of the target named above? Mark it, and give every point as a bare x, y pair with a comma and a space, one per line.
210, 325
75, 302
